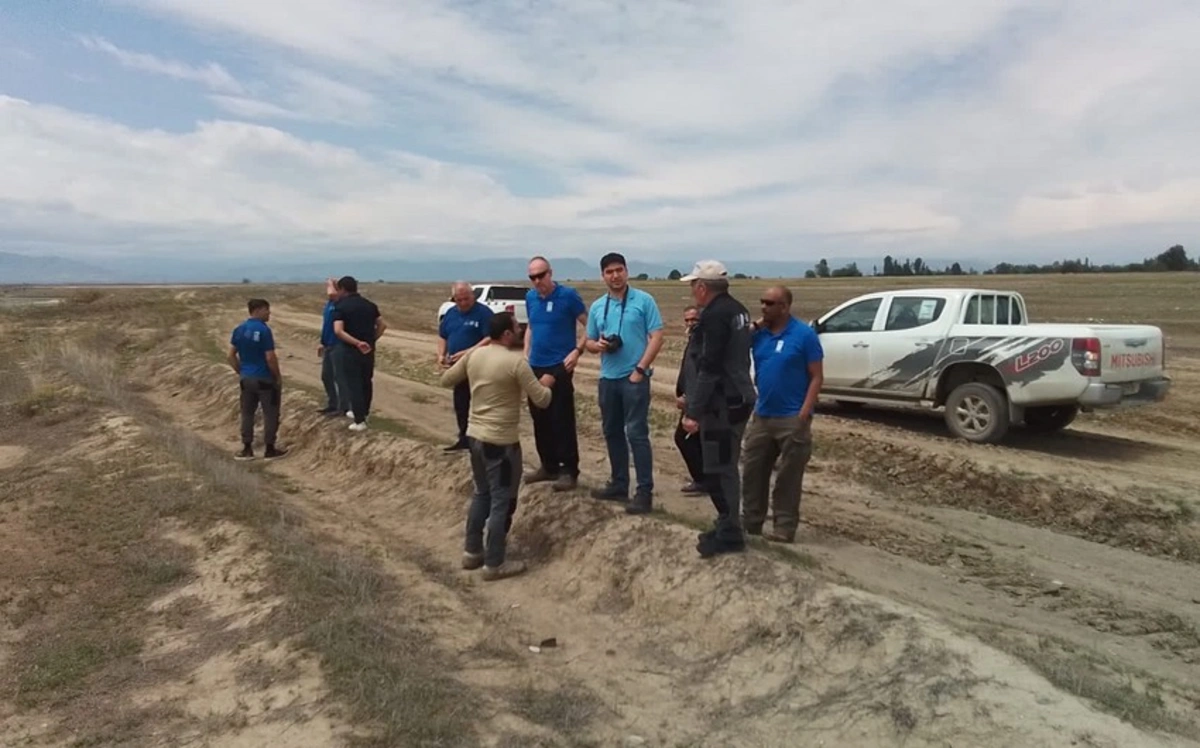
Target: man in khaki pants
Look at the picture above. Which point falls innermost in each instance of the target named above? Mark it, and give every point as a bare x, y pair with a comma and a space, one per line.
788, 373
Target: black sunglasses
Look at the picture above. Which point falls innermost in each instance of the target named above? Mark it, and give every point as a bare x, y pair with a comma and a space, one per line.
539, 276
768, 302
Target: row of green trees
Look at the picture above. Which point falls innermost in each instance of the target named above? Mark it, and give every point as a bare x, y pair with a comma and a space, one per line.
1174, 259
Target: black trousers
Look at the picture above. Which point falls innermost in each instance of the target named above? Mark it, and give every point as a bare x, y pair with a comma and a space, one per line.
554, 428
267, 394
358, 376
462, 408
692, 451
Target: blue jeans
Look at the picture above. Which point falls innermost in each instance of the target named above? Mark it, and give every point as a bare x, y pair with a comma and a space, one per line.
625, 416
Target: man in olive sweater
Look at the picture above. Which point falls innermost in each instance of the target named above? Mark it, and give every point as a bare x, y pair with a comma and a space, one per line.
500, 379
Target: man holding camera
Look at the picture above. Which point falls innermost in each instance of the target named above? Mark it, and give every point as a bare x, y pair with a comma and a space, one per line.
625, 328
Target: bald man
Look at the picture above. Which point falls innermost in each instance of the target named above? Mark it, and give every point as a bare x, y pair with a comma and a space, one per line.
789, 372
463, 328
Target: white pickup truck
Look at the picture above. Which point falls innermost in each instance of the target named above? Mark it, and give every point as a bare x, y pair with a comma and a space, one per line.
974, 353
498, 298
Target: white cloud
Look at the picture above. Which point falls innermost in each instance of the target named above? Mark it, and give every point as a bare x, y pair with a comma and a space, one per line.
760, 125
211, 75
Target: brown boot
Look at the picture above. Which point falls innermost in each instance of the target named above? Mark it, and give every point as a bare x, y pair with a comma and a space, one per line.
541, 475
776, 536
472, 561
503, 571
565, 482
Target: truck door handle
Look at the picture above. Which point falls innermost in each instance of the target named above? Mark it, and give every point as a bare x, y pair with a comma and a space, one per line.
862, 345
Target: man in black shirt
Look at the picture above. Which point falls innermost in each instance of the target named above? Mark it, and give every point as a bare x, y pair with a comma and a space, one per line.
358, 324
689, 445
719, 400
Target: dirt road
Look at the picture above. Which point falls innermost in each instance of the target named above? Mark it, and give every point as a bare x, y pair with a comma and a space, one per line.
1084, 538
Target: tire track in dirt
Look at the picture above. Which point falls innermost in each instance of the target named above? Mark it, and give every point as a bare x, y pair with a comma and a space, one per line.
661, 637
949, 564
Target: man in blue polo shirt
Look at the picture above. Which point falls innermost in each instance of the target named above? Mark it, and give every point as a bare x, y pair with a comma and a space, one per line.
464, 327
624, 326
336, 401
252, 357
552, 347
789, 371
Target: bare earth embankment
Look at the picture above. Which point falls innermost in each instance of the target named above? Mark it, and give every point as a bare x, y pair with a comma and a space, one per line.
1042, 592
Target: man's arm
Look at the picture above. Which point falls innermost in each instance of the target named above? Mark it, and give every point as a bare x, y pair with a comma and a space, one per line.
539, 393
816, 374
456, 374
232, 358
814, 354
592, 340
712, 335
273, 365
652, 348
654, 325
380, 327
339, 329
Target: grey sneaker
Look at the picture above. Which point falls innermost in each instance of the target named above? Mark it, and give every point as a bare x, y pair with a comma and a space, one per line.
503, 571
565, 482
541, 475
472, 561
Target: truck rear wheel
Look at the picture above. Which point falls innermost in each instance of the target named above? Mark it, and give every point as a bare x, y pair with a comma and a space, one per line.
1050, 418
977, 412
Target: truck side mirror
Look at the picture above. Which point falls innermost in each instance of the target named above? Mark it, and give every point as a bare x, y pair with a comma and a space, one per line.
818, 326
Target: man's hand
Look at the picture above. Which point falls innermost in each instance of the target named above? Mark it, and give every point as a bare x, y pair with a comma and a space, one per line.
363, 347
636, 377
455, 357
690, 425
547, 380
320, 351
571, 360
602, 344
681, 402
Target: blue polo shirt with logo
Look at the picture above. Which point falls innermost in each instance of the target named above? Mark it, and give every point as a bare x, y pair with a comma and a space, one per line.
462, 330
253, 340
641, 317
552, 321
781, 368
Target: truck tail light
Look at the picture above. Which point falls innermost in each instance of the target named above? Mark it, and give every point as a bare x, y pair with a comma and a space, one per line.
1085, 355
510, 308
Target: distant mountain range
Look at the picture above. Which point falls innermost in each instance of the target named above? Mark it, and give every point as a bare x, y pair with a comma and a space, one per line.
30, 269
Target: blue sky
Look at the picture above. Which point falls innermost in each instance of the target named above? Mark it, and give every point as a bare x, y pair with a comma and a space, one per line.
734, 128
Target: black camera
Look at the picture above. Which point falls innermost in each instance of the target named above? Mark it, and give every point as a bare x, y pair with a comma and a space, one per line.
614, 342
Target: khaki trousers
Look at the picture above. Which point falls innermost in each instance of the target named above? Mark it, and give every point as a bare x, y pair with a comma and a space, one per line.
789, 441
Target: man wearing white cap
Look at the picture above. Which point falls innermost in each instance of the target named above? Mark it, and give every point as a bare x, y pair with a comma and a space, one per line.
719, 399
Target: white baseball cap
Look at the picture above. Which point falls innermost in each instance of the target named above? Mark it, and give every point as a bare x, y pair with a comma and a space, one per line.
706, 270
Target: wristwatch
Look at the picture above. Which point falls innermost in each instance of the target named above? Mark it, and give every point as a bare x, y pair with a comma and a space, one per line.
644, 372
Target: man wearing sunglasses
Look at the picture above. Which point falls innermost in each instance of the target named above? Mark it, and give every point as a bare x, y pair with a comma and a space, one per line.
788, 362
553, 347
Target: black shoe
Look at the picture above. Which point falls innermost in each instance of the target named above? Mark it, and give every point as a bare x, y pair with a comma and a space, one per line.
247, 453
693, 489
753, 529
457, 446
273, 453
714, 545
610, 493
640, 505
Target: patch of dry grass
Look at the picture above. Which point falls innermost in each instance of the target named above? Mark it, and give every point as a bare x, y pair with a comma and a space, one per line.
389, 671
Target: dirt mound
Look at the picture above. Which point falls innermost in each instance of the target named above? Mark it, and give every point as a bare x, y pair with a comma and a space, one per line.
914, 473
746, 650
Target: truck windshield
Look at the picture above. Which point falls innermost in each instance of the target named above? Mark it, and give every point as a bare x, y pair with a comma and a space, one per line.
993, 309
507, 293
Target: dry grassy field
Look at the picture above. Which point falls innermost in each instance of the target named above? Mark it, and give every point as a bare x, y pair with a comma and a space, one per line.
1042, 592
